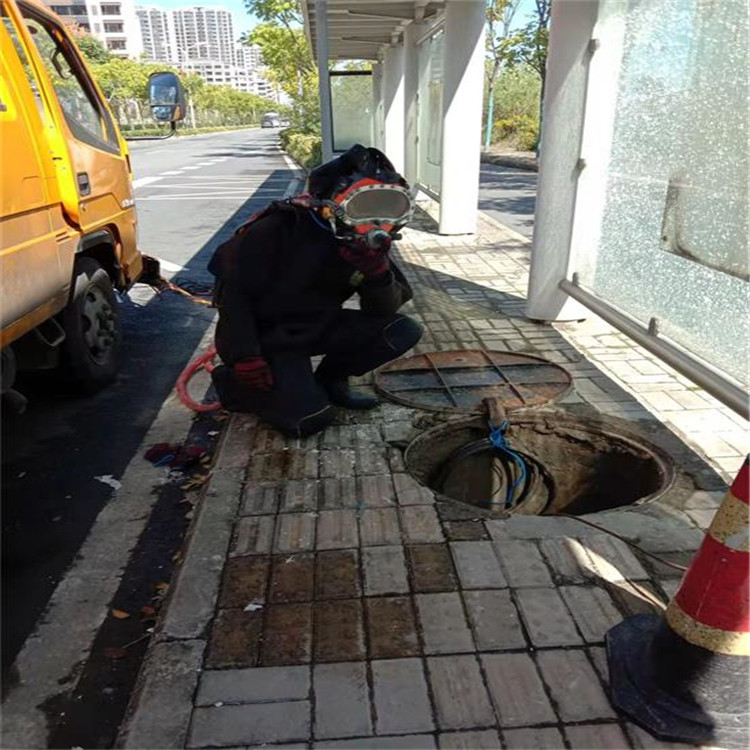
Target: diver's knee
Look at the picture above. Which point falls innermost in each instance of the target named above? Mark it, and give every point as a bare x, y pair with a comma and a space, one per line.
403, 333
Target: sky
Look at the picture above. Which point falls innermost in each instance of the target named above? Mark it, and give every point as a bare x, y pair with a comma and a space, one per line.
243, 21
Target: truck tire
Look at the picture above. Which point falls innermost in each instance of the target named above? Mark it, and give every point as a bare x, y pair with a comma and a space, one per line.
90, 352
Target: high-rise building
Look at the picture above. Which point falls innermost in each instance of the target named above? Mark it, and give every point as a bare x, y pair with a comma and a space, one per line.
113, 22
199, 40
205, 34
157, 31
249, 56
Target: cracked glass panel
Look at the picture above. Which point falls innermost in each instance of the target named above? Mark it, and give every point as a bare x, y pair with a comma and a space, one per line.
672, 240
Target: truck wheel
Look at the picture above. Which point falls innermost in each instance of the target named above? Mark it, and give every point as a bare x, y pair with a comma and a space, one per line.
91, 321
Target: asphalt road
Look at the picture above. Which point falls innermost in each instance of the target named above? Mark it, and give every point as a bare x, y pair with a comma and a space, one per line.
509, 195
191, 194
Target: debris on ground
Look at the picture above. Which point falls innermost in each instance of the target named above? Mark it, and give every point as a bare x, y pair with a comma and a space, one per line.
110, 481
175, 455
195, 482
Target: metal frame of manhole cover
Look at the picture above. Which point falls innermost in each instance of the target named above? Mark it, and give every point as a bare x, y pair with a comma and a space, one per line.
460, 380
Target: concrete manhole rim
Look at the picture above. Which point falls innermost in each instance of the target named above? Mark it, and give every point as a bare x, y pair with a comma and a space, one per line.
667, 471
565, 386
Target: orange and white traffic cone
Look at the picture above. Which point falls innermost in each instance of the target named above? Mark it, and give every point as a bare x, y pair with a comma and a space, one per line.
684, 677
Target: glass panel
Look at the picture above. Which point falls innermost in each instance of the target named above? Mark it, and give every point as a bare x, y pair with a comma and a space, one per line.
12, 31
352, 107
671, 242
77, 102
430, 112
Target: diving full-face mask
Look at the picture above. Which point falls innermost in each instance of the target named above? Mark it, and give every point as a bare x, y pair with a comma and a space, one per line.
368, 212
363, 197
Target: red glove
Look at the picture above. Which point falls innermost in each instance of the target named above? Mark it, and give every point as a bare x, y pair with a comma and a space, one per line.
254, 373
369, 261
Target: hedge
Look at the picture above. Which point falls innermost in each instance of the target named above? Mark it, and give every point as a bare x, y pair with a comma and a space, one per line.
135, 131
305, 148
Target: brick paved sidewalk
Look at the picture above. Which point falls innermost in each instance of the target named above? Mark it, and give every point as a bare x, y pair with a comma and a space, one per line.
327, 600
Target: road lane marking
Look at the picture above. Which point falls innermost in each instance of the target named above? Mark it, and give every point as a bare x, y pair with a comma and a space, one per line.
141, 181
211, 197
172, 172
220, 186
290, 163
221, 178
167, 265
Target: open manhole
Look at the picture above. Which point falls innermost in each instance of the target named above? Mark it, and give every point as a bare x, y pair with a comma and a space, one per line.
570, 465
461, 380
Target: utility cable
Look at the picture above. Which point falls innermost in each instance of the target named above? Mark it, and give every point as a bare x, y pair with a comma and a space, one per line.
497, 438
627, 541
168, 286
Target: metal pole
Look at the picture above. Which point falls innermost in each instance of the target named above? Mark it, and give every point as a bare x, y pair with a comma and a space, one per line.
490, 116
324, 84
721, 388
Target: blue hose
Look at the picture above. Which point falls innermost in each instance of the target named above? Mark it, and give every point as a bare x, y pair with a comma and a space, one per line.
497, 438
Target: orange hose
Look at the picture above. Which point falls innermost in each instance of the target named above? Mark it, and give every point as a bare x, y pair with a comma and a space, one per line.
205, 361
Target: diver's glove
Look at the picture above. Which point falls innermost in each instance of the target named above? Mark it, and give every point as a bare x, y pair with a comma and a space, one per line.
254, 373
371, 262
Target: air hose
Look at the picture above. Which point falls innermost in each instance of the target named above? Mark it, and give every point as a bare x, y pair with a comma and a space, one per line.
201, 297
205, 362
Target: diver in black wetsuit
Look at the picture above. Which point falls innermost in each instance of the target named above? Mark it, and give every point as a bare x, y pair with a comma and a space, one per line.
282, 281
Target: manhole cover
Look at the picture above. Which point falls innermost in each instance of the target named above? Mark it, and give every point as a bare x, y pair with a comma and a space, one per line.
460, 380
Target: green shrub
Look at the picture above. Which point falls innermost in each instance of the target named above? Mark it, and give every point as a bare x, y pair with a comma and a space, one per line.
305, 148
519, 132
135, 130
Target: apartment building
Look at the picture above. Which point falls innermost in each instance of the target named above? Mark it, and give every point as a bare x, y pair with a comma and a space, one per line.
197, 39
205, 34
202, 40
113, 22
157, 32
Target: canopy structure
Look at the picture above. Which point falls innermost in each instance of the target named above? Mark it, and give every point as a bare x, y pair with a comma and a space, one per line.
415, 90
359, 29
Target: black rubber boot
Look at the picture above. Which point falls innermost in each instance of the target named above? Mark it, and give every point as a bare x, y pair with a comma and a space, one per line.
340, 394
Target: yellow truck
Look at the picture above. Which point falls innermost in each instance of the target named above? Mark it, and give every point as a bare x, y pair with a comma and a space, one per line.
67, 216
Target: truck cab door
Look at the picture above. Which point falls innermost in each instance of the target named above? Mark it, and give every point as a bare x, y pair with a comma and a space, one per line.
34, 237
97, 190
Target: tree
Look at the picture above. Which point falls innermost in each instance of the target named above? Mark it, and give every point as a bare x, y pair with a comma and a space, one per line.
500, 15
529, 45
285, 15
287, 57
91, 48
124, 83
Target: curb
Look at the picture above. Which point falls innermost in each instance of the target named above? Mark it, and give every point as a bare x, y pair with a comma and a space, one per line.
161, 703
509, 160
504, 227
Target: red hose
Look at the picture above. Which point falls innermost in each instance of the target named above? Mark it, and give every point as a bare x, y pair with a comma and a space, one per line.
205, 361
